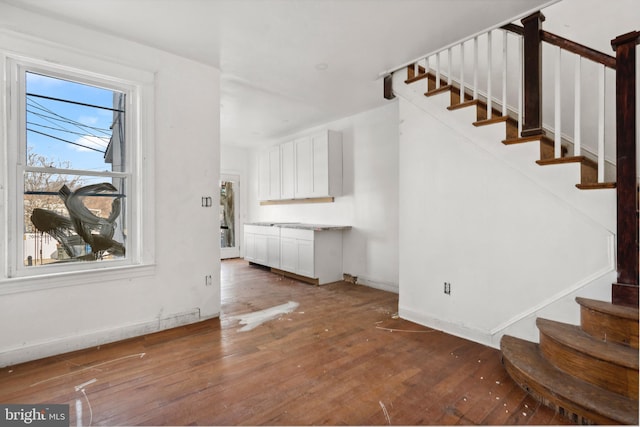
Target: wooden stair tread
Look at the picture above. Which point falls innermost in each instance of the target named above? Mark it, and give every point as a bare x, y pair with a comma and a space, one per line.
441, 89
491, 121
416, 78
609, 308
521, 140
575, 338
609, 322
465, 104
561, 160
596, 186
534, 373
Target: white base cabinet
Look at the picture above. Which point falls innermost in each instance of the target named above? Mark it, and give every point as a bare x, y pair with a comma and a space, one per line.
312, 253
262, 245
316, 254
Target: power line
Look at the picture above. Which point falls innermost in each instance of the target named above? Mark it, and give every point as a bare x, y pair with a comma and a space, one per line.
74, 102
64, 140
64, 119
63, 130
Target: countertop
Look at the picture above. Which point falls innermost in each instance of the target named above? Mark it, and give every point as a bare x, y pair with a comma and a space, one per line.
300, 225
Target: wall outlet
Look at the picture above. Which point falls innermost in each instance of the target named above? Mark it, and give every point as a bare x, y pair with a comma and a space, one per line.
208, 280
447, 288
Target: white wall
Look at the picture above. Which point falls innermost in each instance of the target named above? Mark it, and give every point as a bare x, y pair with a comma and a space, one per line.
514, 239
370, 197
105, 307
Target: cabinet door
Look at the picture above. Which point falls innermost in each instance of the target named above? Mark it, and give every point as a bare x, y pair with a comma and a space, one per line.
249, 246
305, 258
303, 168
274, 173
288, 254
320, 147
260, 249
287, 168
264, 176
273, 251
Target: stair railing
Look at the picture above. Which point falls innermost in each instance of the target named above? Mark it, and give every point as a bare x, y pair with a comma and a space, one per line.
451, 66
523, 76
563, 49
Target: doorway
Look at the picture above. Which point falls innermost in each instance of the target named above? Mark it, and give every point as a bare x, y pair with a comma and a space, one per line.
229, 214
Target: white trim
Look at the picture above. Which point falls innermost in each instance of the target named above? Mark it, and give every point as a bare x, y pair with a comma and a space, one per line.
378, 284
59, 279
567, 291
66, 344
451, 328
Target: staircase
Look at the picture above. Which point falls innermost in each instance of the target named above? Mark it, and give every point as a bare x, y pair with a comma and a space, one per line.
588, 372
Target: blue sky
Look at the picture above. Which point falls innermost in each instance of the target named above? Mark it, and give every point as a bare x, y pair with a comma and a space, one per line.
85, 129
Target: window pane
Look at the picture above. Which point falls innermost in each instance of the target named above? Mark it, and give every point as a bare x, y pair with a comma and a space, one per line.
73, 125
73, 218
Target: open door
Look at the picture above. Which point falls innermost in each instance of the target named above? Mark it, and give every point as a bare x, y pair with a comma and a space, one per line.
229, 211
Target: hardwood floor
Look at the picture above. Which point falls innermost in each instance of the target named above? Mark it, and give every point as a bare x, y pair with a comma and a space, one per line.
340, 358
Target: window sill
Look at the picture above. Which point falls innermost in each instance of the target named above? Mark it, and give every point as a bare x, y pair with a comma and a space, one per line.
75, 278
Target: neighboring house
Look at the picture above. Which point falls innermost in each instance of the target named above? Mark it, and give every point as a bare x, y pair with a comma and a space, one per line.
420, 217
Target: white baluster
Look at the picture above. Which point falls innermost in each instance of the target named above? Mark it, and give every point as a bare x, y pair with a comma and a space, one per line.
601, 123
557, 146
438, 70
462, 72
475, 67
489, 71
577, 143
450, 66
426, 70
504, 73
520, 83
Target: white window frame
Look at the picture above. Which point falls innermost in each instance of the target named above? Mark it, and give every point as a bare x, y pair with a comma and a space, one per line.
138, 87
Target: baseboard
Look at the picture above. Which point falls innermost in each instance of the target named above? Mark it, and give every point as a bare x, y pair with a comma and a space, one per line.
456, 329
91, 339
383, 286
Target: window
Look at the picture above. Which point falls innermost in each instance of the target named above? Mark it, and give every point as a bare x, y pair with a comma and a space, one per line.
73, 171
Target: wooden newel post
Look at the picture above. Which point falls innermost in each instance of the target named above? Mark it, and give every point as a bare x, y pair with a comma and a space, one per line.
532, 123
388, 87
625, 291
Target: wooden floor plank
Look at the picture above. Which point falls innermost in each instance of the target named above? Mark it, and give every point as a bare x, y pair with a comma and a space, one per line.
343, 357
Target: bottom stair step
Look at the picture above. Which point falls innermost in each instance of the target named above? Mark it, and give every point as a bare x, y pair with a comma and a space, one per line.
526, 365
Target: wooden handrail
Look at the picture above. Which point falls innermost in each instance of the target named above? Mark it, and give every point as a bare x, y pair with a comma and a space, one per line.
579, 49
568, 45
514, 28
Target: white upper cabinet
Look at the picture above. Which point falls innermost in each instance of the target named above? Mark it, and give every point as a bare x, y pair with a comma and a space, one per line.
304, 168
263, 174
318, 165
308, 167
269, 165
287, 169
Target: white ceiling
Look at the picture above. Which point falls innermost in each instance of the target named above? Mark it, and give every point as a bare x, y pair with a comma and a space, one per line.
288, 65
